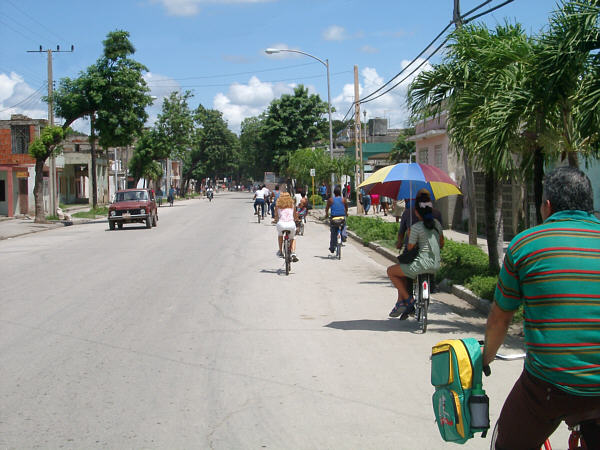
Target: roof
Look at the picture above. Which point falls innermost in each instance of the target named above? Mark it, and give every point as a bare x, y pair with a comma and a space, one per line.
372, 150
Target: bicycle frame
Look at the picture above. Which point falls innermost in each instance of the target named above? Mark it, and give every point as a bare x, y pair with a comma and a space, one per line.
287, 253
421, 293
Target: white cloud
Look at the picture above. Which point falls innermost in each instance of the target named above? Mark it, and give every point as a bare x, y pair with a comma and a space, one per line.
192, 7
246, 100
369, 49
391, 105
335, 33
17, 97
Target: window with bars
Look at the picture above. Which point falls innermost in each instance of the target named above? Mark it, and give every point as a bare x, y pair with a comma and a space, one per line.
424, 155
20, 139
438, 156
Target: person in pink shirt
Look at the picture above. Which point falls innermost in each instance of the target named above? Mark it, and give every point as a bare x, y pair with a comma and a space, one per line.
286, 217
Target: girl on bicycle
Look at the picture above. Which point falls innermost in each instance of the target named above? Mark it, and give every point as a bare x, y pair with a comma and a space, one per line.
427, 235
286, 217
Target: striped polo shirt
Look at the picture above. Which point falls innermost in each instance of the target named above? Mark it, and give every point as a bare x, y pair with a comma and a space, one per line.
554, 271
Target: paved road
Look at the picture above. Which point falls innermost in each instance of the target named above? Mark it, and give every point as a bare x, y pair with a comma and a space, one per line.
189, 335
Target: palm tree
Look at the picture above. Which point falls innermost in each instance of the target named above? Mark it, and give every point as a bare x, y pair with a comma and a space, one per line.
475, 83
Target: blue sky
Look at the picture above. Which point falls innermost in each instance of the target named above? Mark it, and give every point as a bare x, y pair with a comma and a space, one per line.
215, 48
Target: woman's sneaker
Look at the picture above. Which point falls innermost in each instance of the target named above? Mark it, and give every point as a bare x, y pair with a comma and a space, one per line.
395, 312
279, 254
294, 257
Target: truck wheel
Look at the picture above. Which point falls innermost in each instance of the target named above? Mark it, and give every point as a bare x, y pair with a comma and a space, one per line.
154, 220
120, 225
111, 225
149, 221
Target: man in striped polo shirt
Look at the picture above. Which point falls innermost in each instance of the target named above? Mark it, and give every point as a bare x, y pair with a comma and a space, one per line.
553, 270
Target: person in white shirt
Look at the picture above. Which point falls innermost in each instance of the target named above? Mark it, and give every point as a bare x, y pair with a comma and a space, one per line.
259, 200
267, 197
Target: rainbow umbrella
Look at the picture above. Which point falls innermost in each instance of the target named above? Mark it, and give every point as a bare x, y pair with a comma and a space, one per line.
404, 180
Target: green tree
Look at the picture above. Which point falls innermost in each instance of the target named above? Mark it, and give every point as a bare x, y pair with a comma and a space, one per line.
148, 149
218, 146
253, 149
292, 122
403, 148
472, 84
175, 131
41, 149
112, 92
302, 160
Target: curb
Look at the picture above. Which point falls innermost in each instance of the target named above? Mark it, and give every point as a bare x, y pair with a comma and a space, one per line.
480, 304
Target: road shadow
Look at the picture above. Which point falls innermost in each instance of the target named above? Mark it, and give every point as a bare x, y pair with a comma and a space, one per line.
275, 271
368, 325
130, 228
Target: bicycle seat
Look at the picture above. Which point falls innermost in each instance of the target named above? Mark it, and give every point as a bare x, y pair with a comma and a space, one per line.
583, 416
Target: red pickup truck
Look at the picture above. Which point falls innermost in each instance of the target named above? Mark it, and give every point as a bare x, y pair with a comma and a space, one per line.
131, 206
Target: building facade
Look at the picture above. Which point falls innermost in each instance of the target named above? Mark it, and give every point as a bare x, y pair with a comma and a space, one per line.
17, 168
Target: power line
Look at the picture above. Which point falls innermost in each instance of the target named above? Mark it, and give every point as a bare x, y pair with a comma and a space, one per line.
35, 20
25, 99
368, 98
470, 19
266, 81
237, 73
409, 64
411, 73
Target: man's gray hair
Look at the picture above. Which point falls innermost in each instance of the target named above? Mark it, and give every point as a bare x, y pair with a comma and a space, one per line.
568, 188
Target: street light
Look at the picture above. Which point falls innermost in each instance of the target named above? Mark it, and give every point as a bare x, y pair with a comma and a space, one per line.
271, 51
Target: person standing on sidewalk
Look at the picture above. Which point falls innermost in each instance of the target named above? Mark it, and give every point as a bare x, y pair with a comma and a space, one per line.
553, 270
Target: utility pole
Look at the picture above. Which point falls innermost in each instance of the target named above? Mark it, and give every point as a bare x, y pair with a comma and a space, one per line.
469, 179
357, 142
52, 161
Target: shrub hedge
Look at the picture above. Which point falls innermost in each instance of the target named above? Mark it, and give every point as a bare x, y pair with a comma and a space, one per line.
316, 200
373, 229
462, 264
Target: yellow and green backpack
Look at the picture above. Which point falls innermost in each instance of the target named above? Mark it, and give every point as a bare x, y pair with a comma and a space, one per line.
459, 402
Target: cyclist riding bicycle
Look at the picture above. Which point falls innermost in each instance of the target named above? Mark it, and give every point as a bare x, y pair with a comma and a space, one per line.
259, 201
286, 216
428, 236
302, 206
553, 270
339, 211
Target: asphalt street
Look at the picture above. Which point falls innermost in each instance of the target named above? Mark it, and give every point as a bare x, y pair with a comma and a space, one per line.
190, 335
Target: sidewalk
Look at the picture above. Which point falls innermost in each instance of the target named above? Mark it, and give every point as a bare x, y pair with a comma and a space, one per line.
455, 293
11, 227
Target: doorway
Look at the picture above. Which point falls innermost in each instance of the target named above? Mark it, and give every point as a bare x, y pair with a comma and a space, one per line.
23, 196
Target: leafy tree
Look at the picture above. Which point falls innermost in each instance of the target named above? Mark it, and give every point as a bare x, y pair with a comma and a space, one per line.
112, 92
253, 150
403, 148
302, 160
292, 122
219, 147
41, 149
342, 166
174, 129
148, 149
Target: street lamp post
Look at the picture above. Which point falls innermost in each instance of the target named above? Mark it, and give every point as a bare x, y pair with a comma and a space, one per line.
270, 51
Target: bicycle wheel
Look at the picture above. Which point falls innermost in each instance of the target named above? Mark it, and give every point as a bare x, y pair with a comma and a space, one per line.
287, 256
258, 214
494, 437
338, 248
424, 301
